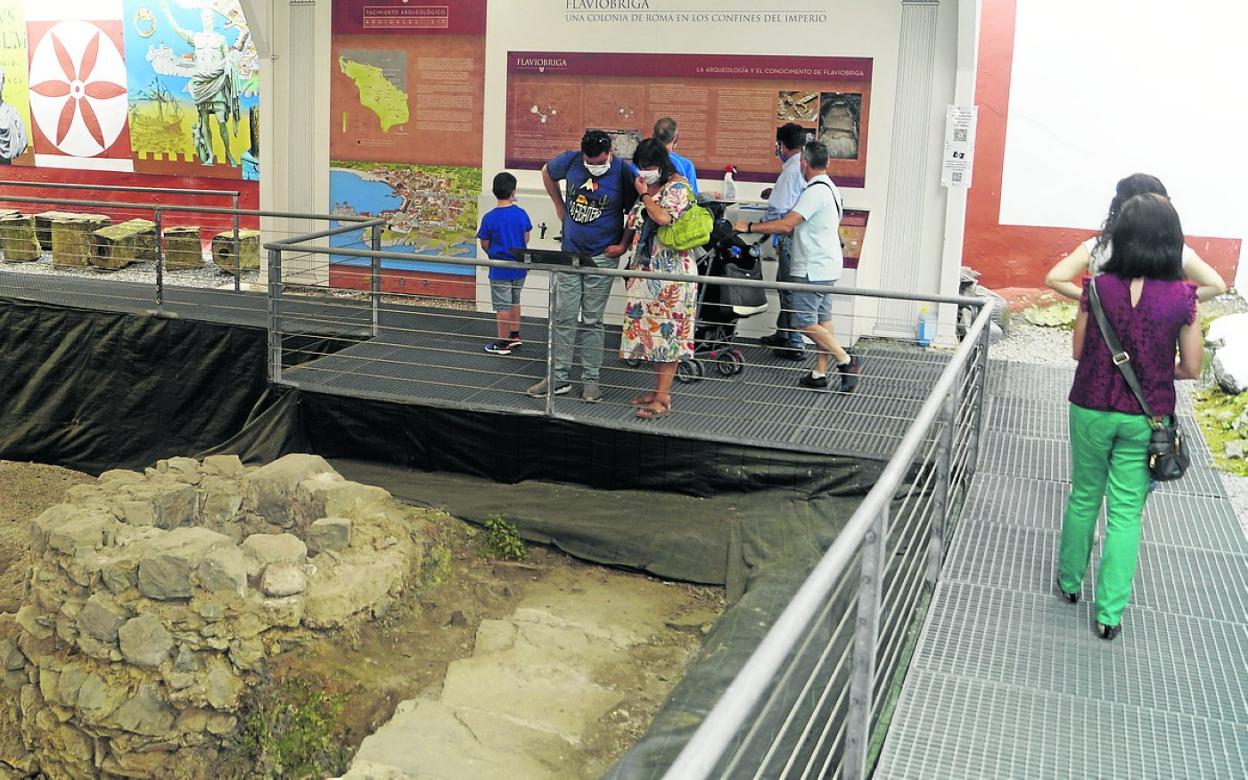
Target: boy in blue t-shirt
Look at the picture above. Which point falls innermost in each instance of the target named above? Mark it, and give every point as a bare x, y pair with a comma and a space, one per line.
504, 228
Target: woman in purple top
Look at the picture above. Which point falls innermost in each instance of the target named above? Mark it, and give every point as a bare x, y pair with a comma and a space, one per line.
1151, 309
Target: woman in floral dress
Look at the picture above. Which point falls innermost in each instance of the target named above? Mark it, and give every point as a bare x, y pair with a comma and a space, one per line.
659, 316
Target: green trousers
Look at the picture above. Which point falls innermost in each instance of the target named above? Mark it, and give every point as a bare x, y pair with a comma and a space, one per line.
1109, 453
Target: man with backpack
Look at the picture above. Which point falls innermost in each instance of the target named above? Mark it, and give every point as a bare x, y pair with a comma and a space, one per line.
598, 191
814, 222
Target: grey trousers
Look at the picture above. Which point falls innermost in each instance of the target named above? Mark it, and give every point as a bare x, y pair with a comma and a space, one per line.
585, 295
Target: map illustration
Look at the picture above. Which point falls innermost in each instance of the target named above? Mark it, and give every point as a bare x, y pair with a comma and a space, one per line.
380, 75
431, 210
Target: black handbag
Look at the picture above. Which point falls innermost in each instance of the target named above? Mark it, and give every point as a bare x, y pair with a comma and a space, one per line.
745, 301
1168, 459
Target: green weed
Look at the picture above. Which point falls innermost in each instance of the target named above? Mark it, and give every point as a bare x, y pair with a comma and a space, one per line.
501, 541
289, 732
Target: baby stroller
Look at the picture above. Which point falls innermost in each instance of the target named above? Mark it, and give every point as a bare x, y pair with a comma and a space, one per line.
720, 307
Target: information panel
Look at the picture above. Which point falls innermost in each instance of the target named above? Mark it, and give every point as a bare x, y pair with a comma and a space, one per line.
727, 106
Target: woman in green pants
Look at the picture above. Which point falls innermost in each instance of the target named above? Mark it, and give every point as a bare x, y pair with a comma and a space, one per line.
1151, 309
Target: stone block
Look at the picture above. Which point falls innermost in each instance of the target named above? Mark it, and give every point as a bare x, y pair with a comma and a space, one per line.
183, 249
122, 476
1230, 367
329, 533
224, 570
98, 698
334, 595
166, 566
262, 550
147, 713
271, 489
73, 675
83, 532
120, 574
340, 498
33, 623
283, 579
100, 618
49, 520
19, 239
116, 246
221, 500
248, 257
11, 658
221, 686
43, 226
223, 466
145, 641
72, 239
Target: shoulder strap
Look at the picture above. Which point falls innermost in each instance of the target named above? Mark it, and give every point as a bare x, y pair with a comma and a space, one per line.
839, 212
1120, 357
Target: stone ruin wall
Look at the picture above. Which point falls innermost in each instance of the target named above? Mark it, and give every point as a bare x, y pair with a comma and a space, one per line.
156, 598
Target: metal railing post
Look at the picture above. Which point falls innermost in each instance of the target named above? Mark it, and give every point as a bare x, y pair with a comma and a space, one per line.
981, 389
944, 486
238, 257
160, 261
375, 278
275, 322
866, 643
552, 294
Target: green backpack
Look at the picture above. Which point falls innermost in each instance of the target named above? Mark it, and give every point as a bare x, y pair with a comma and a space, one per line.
693, 229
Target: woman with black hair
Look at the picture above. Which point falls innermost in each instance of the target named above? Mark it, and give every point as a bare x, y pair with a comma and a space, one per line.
1090, 256
659, 315
1150, 309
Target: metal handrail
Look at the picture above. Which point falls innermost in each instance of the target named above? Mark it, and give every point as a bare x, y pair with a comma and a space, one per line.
292, 243
711, 739
57, 185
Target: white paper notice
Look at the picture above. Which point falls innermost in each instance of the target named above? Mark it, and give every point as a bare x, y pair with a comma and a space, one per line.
955, 168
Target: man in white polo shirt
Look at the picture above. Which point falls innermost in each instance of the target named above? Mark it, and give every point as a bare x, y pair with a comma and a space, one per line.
814, 224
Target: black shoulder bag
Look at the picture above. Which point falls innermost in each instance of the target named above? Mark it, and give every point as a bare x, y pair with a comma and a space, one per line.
1168, 459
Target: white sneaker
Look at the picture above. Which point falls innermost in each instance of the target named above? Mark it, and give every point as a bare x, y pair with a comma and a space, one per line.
540, 389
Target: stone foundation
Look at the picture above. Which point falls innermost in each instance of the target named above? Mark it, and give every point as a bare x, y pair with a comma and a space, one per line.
248, 251
18, 239
157, 598
182, 248
117, 246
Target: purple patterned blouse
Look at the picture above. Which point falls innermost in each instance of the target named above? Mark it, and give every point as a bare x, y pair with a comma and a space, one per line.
1149, 332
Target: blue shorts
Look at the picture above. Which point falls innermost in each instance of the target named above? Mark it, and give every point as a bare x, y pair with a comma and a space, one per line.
505, 293
809, 308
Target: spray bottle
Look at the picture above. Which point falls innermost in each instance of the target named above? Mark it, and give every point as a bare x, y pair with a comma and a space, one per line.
927, 327
730, 186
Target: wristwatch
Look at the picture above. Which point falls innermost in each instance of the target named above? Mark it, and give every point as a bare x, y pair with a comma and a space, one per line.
749, 227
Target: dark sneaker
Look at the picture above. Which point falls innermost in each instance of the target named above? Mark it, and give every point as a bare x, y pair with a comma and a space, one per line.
812, 382
774, 340
788, 353
538, 390
499, 347
850, 373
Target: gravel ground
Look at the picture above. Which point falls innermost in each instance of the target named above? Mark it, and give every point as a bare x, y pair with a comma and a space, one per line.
1029, 343
142, 273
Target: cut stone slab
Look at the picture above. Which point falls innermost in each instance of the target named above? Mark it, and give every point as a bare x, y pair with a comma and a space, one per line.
224, 570
248, 258
19, 240
335, 595
117, 246
428, 739
72, 239
183, 249
43, 226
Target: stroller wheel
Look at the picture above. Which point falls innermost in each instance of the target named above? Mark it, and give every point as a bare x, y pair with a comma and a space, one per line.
730, 363
690, 370
632, 362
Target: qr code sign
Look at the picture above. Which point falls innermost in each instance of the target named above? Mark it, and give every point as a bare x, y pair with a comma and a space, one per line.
959, 134
956, 177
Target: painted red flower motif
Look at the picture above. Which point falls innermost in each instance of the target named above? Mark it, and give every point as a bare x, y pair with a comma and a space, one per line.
79, 88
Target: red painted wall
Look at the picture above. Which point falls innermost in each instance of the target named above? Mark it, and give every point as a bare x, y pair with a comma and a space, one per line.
1017, 256
249, 194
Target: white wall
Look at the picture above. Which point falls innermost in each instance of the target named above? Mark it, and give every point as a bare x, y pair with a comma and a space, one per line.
1175, 106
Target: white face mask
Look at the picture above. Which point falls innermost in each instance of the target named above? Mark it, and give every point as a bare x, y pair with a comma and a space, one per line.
649, 177
598, 170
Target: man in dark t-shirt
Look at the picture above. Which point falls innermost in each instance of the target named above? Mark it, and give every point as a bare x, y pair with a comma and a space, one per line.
598, 191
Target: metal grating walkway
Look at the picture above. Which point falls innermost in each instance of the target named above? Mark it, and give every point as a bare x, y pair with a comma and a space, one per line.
427, 358
1008, 681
